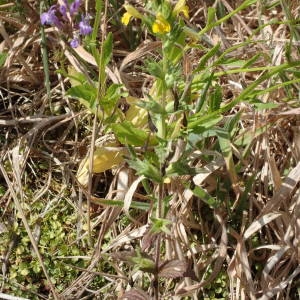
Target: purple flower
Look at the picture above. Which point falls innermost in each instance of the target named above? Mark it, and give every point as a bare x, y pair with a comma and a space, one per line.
74, 7
49, 17
84, 27
74, 43
63, 10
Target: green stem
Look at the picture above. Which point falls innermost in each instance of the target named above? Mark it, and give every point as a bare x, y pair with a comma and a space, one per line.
100, 93
45, 60
99, 5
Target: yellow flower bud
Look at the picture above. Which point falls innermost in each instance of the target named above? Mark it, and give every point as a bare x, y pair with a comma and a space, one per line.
126, 18
161, 25
181, 7
131, 12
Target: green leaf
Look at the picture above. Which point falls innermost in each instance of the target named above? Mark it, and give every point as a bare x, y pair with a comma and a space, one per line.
205, 197
76, 78
204, 59
220, 10
126, 133
215, 99
134, 204
155, 69
106, 53
199, 124
211, 12
152, 106
225, 145
113, 94
231, 123
166, 9
231, 62
179, 168
246, 137
261, 105
145, 168
3, 56
143, 262
202, 98
195, 138
160, 225
107, 50
173, 48
162, 151
224, 141
24, 272
85, 93
252, 60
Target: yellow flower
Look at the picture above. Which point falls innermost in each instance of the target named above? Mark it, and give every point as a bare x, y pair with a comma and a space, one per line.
131, 12
126, 18
161, 25
181, 7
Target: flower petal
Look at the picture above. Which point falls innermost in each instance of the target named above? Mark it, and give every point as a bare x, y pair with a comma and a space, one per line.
50, 18
84, 27
74, 43
63, 10
161, 25
126, 18
74, 7
181, 7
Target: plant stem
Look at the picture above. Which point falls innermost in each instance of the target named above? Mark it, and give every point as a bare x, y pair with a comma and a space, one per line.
159, 209
100, 93
45, 61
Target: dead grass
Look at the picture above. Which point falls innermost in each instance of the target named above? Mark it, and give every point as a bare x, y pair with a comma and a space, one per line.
253, 237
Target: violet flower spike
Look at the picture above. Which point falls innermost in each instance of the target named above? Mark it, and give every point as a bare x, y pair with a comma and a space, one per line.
63, 10
74, 7
74, 43
49, 17
85, 27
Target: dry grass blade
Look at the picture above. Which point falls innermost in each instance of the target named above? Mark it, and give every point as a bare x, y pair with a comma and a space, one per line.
10, 297
284, 192
258, 224
207, 170
239, 271
16, 45
130, 193
138, 54
222, 251
134, 56
273, 291
273, 260
127, 237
